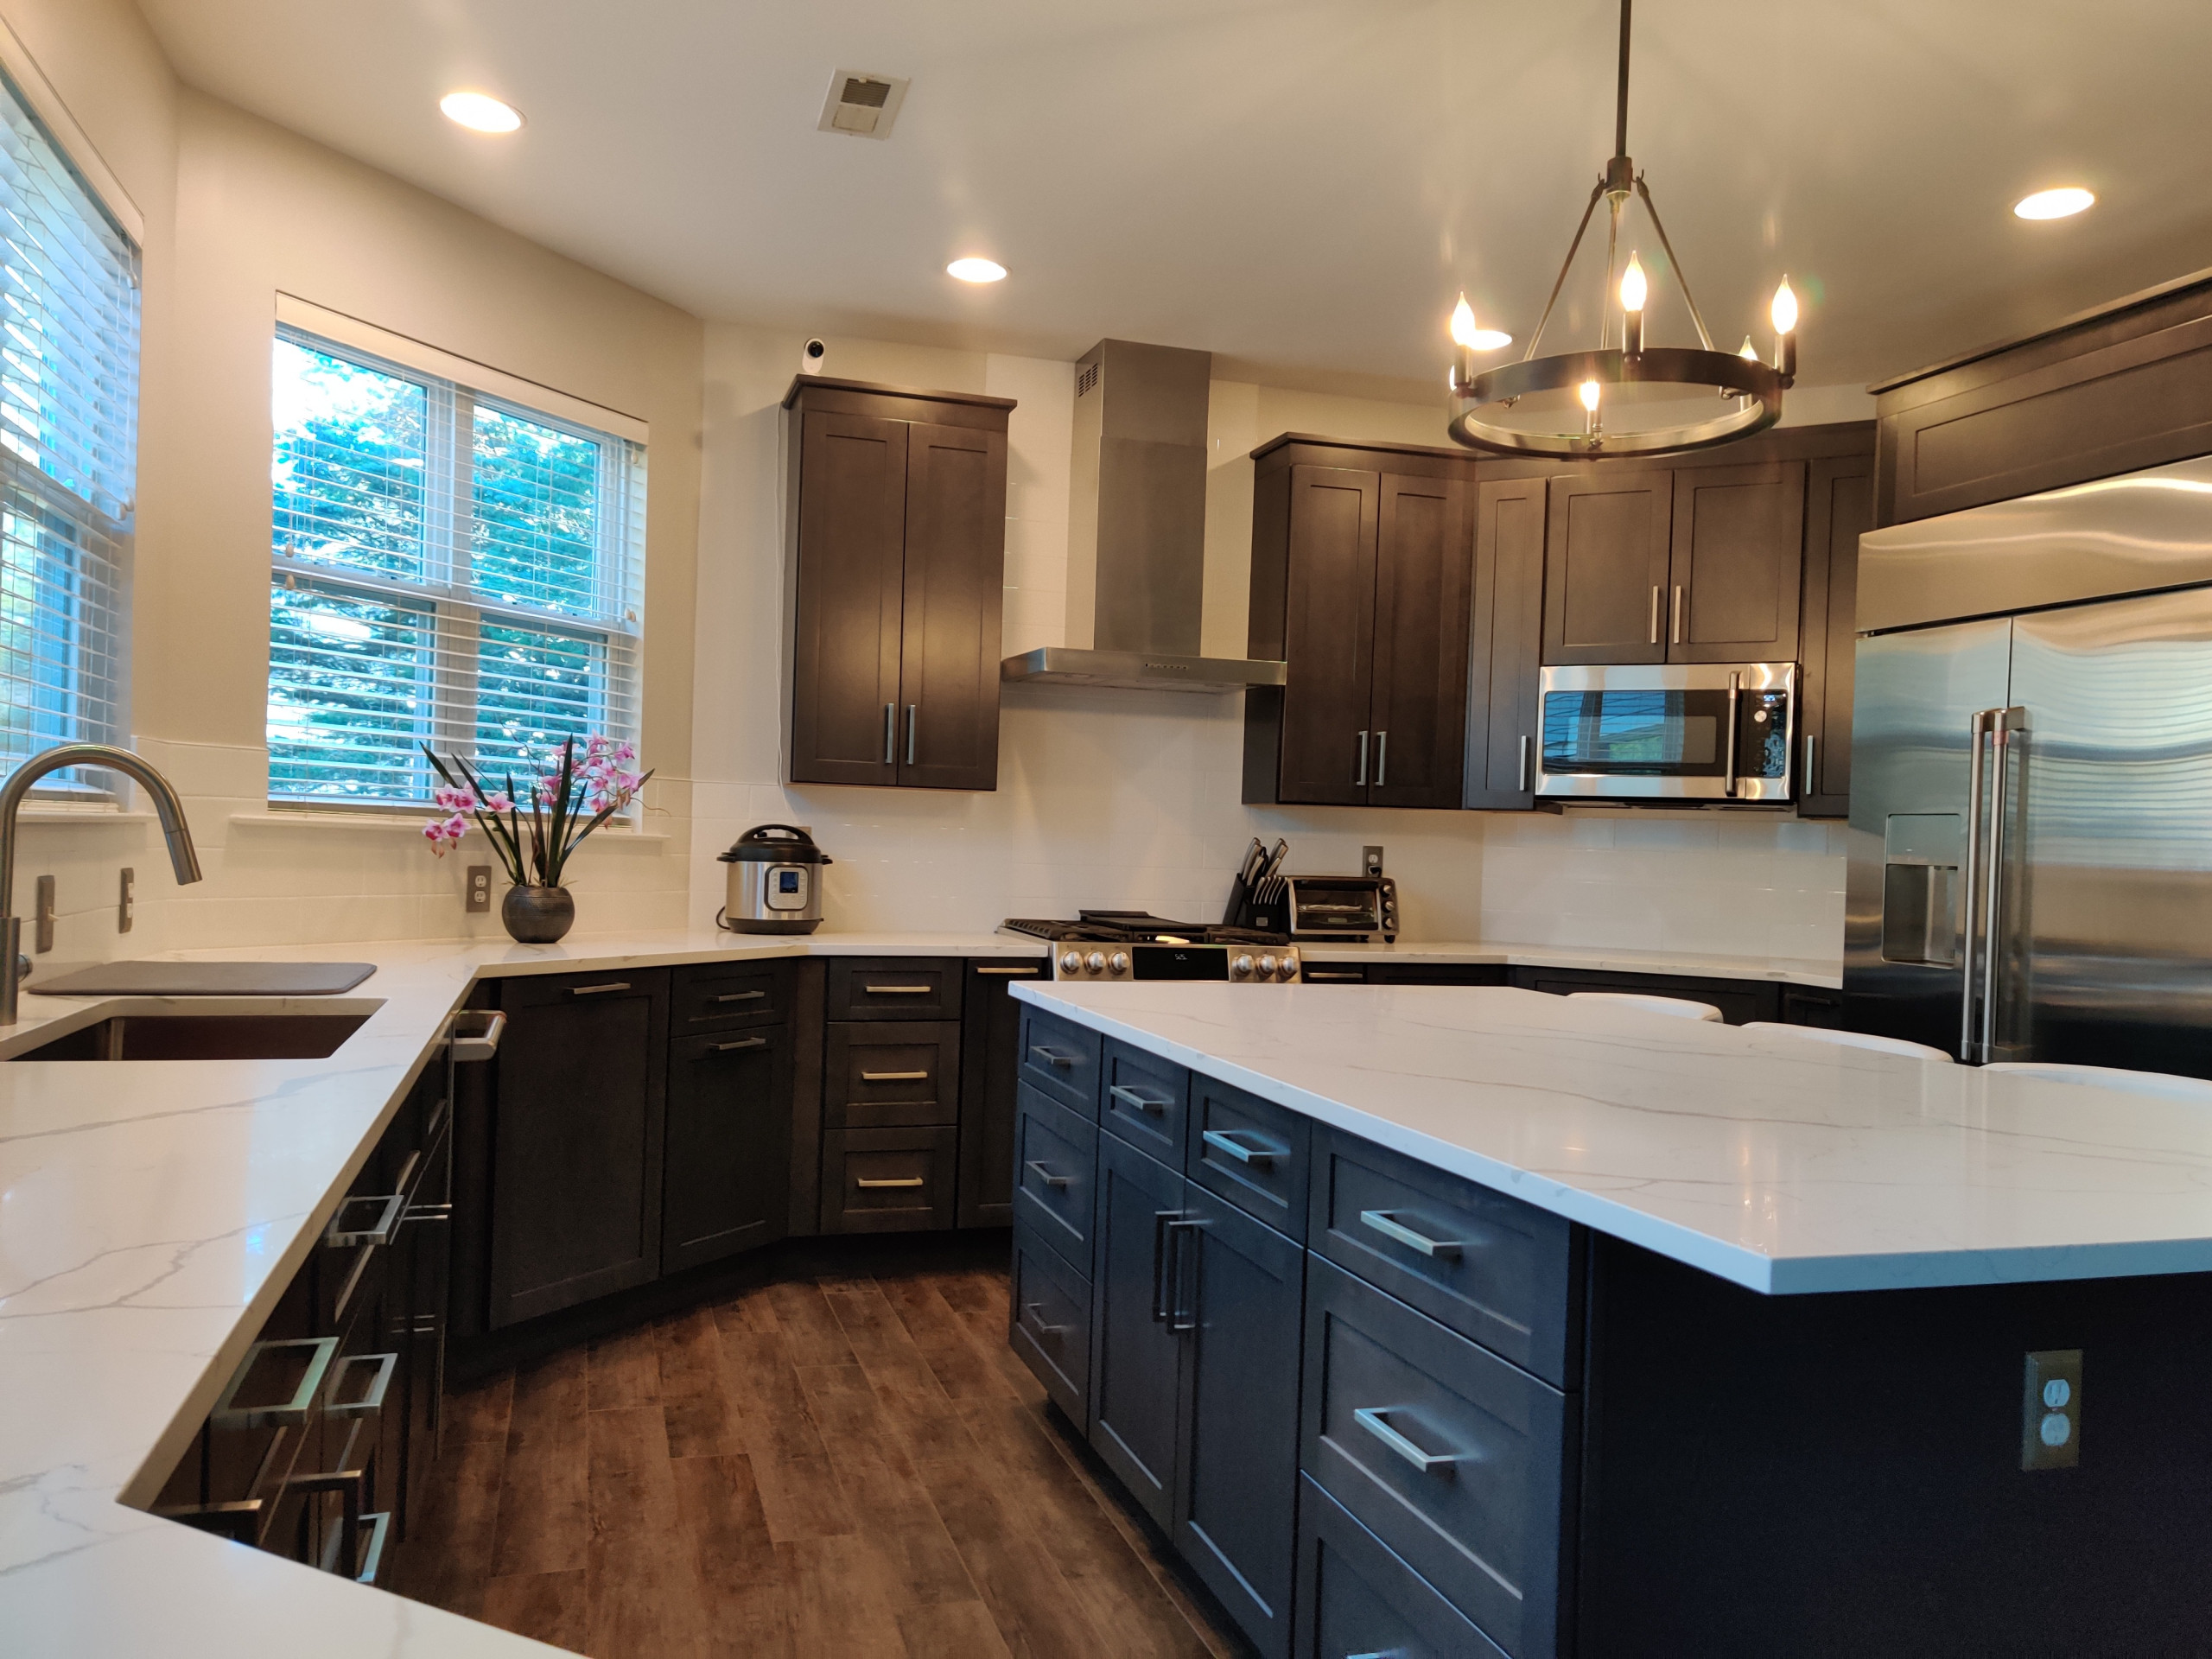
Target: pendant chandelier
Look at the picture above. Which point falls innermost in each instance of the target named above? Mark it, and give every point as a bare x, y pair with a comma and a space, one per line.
1487, 412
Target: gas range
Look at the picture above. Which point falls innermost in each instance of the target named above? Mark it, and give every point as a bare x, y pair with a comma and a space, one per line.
1106, 945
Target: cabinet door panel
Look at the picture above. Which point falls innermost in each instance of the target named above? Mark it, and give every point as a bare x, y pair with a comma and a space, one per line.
1329, 633
729, 1113
1134, 1358
1507, 645
1605, 567
852, 535
947, 734
577, 1139
1419, 702
1839, 509
1242, 1290
990, 1054
1738, 559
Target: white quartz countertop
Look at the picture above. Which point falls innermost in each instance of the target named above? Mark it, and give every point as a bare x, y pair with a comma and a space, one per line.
1768, 1159
1789, 971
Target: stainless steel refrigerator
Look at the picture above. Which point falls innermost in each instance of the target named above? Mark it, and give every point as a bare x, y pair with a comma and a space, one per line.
2032, 778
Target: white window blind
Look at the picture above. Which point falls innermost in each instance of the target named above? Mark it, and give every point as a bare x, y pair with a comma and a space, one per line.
68, 433
448, 568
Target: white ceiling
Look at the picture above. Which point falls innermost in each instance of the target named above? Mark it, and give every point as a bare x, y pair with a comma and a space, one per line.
1300, 187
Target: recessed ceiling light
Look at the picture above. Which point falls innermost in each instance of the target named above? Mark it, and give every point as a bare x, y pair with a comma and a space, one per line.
2054, 204
976, 270
480, 112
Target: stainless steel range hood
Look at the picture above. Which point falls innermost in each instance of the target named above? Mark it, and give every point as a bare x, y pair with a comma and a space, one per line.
1137, 532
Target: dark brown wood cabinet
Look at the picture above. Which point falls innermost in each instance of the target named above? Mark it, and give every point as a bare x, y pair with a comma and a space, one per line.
728, 1187
1606, 565
1505, 643
897, 538
990, 1061
1839, 509
1362, 557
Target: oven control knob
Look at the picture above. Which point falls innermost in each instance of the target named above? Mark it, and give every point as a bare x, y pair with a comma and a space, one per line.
1241, 968
1289, 969
1118, 963
1267, 967
1095, 963
1071, 962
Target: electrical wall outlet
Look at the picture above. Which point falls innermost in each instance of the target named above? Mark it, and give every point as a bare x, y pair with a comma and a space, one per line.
479, 890
126, 901
2051, 1427
45, 914
1370, 859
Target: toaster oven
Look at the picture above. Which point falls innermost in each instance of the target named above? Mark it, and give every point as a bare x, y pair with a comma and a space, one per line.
1342, 906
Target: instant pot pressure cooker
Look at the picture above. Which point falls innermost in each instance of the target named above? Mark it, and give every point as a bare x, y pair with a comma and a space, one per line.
775, 881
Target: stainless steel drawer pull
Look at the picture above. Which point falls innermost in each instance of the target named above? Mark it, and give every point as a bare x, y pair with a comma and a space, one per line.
1371, 1419
1053, 1057
1446, 1250
869, 1185
1034, 1316
391, 1207
742, 1042
466, 1047
899, 990
982, 968
600, 990
739, 997
894, 1076
1141, 1102
1047, 1176
372, 1400
287, 1413
1262, 1157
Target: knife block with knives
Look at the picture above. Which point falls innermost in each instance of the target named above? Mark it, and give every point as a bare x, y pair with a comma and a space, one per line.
1258, 894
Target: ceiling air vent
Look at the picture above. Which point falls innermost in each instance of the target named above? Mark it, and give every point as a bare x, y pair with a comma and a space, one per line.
861, 104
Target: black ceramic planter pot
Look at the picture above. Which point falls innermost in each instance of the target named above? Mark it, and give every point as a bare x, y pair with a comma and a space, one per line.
537, 915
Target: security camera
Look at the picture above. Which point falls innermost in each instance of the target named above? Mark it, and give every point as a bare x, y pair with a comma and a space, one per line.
810, 360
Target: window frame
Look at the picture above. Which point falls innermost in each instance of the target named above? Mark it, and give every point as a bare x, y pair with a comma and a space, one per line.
455, 389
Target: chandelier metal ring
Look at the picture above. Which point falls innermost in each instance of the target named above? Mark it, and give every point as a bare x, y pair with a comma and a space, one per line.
1756, 389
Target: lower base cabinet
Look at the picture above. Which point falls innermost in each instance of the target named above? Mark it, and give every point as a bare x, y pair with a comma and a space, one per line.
888, 1180
1136, 1365
1357, 1600
727, 1188
1049, 1322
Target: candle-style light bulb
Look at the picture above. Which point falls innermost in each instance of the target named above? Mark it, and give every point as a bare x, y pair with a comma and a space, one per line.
1634, 288
1463, 323
1785, 309
1748, 351
1785, 332
1590, 396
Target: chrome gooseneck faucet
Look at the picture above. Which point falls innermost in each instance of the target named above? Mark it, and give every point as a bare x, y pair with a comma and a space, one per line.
182, 859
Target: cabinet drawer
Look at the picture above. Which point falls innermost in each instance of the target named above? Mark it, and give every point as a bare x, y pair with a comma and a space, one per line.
716, 996
1454, 1459
885, 1073
887, 1180
1251, 1151
1146, 1101
1355, 1597
1049, 1322
1499, 1271
1061, 1058
1055, 1174
892, 987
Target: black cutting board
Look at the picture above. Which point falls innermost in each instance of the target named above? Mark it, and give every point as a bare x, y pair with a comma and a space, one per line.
206, 979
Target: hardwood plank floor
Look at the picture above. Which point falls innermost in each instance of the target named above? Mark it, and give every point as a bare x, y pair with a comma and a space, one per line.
845, 1460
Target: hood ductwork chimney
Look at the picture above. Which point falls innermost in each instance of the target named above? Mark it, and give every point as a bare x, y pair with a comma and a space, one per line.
1137, 532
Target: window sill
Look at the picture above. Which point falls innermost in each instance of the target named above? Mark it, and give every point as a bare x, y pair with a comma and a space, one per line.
406, 822
34, 811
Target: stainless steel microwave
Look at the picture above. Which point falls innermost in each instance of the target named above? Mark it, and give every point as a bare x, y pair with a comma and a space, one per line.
1671, 731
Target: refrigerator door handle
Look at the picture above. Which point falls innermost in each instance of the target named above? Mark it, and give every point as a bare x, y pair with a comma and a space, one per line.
1977, 730
2003, 723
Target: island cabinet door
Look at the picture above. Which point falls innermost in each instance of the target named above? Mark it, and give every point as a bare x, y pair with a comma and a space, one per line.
729, 1115
576, 1144
1136, 1359
1236, 1300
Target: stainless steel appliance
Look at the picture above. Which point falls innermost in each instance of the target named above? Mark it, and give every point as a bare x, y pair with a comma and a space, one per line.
1669, 731
2030, 871
775, 881
1342, 906
1129, 946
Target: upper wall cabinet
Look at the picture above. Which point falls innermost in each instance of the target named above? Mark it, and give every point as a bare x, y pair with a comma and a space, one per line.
896, 540
1360, 560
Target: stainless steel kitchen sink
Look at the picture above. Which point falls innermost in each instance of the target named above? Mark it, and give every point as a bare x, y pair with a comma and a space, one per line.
220, 1030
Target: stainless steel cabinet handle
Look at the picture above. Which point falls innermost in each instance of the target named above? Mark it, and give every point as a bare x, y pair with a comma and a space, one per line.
344, 1554
1675, 631
1034, 1316
898, 990
1526, 745
867, 1185
1161, 1219
1361, 777
466, 1047
1729, 737
392, 1205
600, 990
371, 1401
1053, 1057
1179, 1319
1808, 787
890, 734
739, 997
1382, 1221
1141, 1102
1047, 1176
287, 1413
1655, 616
914, 712
894, 1076
371, 1558
741, 1042
1381, 759
986, 968
1261, 1157
1371, 1419
1977, 728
